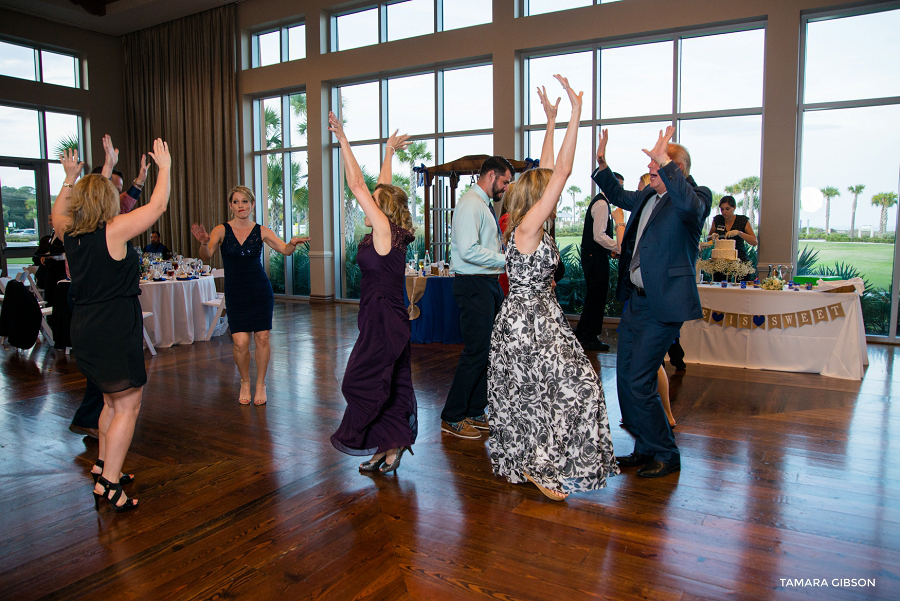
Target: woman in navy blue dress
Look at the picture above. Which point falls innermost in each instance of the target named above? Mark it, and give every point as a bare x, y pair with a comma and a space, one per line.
247, 287
381, 405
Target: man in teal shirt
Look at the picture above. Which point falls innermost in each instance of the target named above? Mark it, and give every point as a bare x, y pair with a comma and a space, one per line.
476, 260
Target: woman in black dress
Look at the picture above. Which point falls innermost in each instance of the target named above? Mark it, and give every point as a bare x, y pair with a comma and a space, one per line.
729, 225
247, 287
107, 325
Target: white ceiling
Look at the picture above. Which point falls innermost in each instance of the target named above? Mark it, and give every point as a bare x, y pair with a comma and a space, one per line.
122, 16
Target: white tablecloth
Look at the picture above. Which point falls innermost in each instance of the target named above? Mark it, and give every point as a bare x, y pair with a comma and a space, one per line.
835, 348
179, 315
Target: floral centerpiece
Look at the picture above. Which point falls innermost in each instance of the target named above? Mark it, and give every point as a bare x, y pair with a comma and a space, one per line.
772, 283
732, 269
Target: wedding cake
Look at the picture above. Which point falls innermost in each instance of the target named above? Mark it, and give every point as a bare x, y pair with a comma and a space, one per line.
725, 249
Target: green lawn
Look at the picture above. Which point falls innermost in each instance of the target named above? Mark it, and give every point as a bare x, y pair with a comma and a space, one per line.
874, 261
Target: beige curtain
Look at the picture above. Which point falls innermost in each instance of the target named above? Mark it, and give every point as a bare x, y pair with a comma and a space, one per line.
180, 85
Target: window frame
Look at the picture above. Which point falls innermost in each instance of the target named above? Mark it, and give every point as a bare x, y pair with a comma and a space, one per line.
38, 50
260, 157
382, 26
437, 137
803, 107
283, 46
594, 120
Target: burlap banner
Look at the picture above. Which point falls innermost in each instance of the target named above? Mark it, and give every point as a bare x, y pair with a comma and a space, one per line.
774, 321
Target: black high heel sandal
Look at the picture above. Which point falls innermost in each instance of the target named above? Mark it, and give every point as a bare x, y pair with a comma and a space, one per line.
117, 488
371, 466
390, 467
125, 479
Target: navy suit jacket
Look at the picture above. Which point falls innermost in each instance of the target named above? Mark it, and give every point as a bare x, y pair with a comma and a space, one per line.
669, 244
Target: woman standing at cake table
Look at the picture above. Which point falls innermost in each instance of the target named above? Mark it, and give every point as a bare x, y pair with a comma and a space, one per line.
727, 225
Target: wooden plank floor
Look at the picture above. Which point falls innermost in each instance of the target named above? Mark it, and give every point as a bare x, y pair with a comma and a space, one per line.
785, 476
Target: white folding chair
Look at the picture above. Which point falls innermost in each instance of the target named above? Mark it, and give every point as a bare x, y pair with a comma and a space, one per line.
28, 274
150, 346
45, 327
219, 304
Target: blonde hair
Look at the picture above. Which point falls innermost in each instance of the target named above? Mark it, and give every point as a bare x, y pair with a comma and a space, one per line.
95, 201
681, 156
394, 203
528, 190
247, 192
645, 180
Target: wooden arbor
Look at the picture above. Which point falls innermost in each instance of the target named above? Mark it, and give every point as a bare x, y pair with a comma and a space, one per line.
437, 228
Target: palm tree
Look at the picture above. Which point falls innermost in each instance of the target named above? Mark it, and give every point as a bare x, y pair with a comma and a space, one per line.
829, 192
573, 190
749, 187
855, 191
273, 127
582, 206
298, 107
885, 200
65, 143
416, 151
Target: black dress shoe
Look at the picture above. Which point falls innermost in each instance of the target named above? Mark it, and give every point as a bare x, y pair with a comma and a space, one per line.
658, 469
634, 460
592, 344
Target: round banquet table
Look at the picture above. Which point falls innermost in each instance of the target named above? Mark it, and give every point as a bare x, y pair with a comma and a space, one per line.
179, 315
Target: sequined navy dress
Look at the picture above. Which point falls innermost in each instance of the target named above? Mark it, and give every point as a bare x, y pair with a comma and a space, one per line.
247, 287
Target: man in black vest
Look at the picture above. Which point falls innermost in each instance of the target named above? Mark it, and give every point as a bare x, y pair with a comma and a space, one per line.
597, 244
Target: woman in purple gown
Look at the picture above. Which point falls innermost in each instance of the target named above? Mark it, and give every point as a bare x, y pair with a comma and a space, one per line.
381, 405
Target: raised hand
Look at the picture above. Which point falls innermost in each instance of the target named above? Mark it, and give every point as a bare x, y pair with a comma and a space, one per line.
396, 142
298, 240
199, 233
549, 109
335, 127
112, 153
142, 174
71, 166
574, 98
658, 152
161, 154
601, 146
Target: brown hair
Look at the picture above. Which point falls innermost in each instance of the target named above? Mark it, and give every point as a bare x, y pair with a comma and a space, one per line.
521, 197
681, 156
95, 201
394, 203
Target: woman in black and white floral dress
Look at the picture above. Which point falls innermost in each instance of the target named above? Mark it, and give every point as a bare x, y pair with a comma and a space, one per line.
547, 411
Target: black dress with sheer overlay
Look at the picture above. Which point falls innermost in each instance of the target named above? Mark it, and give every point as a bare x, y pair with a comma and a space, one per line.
381, 403
248, 291
107, 323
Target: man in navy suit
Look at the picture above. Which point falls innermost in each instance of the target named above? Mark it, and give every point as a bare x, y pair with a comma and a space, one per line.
657, 278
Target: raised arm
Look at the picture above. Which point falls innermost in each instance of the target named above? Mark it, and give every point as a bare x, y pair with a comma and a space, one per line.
209, 243
550, 111
603, 177
381, 226
691, 202
530, 230
111, 158
125, 227
285, 248
394, 144
59, 215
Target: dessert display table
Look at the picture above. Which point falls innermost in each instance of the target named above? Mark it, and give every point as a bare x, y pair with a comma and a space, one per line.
782, 330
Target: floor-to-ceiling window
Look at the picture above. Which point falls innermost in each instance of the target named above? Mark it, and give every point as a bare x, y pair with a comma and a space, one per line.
850, 163
282, 192
706, 83
448, 113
